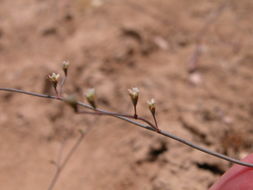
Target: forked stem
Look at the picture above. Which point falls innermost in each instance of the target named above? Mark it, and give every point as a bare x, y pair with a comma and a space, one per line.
114, 114
61, 166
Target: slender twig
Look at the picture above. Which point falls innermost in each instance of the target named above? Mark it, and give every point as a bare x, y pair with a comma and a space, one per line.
114, 114
61, 166
148, 127
135, 112
156, 125
60, 154
62, 85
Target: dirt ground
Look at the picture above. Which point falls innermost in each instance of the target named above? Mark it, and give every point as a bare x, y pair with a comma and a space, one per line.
113, 45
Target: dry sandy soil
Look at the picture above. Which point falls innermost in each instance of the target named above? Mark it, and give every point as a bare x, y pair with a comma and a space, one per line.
114, 45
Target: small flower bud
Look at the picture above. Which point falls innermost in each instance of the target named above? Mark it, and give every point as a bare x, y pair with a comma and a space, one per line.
72, 101
151, 106
65, 66
90, 96
134, 94
54, 78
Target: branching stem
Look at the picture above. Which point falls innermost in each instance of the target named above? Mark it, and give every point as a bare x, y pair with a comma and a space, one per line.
114, 114
150, 126
60, 166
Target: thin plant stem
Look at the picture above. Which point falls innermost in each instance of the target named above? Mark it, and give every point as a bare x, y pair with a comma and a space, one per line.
62, 85
59, 158
135, 112
114, 114
148, 127
60, 166
156, 125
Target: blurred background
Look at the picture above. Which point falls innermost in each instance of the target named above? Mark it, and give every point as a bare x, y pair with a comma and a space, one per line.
193, 56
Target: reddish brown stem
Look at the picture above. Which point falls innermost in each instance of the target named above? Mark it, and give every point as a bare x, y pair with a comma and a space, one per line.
98, 112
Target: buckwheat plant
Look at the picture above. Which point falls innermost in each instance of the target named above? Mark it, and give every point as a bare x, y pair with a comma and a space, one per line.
93, 109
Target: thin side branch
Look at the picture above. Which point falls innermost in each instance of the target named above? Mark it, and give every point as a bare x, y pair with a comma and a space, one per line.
61, 166
114, 114
148, 127
62, 85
